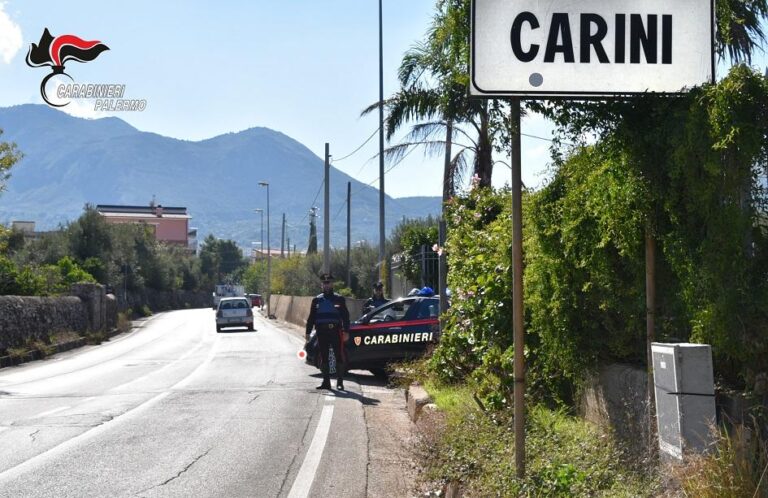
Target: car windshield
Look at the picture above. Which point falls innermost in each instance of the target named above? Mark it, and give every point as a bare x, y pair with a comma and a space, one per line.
393, 312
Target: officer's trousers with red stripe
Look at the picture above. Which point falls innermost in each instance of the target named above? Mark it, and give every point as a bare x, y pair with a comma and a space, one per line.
331, 337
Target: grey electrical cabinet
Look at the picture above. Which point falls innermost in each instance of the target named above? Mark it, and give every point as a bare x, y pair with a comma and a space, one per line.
685, 397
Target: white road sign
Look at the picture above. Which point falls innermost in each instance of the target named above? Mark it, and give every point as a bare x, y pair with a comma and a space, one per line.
590, 48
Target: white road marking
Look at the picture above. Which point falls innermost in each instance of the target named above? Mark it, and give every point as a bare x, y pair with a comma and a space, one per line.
155, 372
51, 412
183, 382
306, 475
61, 449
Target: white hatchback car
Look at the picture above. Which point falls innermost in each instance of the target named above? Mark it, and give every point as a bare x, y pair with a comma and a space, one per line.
234, 312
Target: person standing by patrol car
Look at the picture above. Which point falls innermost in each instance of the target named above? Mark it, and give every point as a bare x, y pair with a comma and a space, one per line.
377, 299
328, 314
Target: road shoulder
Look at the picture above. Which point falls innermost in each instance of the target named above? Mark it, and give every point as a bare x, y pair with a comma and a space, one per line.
391, 434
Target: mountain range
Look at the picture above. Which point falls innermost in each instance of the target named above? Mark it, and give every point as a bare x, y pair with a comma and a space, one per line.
71, 161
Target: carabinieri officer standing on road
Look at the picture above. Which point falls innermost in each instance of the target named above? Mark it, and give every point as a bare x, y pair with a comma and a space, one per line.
328, 314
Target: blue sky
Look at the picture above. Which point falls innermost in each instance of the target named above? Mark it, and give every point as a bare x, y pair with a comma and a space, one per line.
303, 67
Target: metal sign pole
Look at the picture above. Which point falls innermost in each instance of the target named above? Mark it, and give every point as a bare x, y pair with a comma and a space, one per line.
517, 291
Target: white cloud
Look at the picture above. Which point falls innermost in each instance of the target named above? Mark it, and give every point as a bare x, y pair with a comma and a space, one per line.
83, 109
10, 36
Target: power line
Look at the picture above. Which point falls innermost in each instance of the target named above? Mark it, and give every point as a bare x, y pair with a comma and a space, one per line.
343, 204
543, 138
313, 201
399, 161
334, 160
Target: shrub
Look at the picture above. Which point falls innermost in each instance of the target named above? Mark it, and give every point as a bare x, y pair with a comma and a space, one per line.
8, 274
480, 281
123, 322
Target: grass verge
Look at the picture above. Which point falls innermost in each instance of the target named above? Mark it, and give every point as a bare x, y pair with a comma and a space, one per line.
565, 455
737, 469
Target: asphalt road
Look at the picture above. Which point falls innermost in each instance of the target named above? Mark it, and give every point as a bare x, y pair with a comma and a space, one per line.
174, 409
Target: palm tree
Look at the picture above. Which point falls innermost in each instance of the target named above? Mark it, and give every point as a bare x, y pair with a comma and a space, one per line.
433, 94
739, 24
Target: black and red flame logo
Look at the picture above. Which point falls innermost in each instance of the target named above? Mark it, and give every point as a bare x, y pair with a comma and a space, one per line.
57, 51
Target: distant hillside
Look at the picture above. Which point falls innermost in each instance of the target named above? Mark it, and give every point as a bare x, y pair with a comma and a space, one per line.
69, 162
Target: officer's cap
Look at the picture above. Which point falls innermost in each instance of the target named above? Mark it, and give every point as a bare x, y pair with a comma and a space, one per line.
378, 285
326, 277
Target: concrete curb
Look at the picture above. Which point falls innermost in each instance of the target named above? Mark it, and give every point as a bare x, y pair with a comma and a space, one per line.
9, 361
416, 398
426, 415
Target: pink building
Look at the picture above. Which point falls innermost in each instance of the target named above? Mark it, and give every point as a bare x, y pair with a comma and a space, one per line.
170, 224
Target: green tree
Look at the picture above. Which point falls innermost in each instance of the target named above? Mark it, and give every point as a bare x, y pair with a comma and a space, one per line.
11, 241
739, 28
255, 277
72, 273
9, 155
89, 236
412, 242
8, 274
221, 260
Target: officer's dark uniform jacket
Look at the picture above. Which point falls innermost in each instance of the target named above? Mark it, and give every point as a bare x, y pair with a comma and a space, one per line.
328, 311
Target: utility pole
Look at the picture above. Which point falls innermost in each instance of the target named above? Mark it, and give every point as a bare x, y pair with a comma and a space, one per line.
327, 214
349, 234
282, 239
269, 256
261, 248
288, 246
382, 231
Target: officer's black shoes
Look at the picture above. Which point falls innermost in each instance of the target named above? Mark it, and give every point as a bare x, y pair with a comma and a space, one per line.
324, 385
340, 385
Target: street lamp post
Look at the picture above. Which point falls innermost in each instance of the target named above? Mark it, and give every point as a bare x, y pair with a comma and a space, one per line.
382, 231
261, 212
269, 256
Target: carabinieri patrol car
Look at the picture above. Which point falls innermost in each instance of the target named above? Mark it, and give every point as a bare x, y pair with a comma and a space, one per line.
397, 331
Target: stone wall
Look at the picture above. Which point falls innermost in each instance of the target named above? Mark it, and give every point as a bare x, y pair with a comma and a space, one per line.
94, 298
615, 398
28, 317
295, 309
165, 300
89, 308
